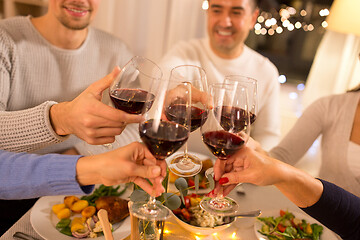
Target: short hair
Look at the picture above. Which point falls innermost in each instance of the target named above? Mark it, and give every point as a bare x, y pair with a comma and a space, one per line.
255, 2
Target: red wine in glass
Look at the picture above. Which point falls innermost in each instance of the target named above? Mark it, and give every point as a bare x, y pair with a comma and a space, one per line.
159, 142
222, 144
175, 111
232, 118
133, 101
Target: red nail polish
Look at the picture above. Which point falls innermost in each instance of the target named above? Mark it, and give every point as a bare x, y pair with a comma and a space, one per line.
223, 180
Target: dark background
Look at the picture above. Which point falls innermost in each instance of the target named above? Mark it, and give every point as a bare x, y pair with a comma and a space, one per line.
292, 52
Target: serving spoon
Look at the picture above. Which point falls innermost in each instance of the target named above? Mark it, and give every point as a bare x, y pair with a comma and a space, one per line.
255, 213
104, 220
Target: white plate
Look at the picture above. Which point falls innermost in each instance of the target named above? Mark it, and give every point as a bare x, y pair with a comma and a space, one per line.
43, 220
326, 234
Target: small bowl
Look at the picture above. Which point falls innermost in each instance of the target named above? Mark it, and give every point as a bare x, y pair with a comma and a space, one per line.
201, 230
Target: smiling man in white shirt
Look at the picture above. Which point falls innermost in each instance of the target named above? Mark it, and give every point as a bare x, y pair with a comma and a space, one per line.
224, 52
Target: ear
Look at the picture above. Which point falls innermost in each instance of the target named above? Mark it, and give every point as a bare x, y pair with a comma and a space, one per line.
255, 15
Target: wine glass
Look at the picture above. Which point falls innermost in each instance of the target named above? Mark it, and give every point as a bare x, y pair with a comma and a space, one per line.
131, 89
163, 137
187, 165
224, 132
252, 85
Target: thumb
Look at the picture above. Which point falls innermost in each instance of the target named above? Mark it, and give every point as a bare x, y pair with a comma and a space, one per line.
100, 85
147, 171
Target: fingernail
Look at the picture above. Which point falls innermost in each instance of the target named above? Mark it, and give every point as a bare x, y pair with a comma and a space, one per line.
209, 193
223, 180
156, 170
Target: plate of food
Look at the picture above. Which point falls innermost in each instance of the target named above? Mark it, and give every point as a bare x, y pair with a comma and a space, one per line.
191, 217
203, 187
278, 224
71, 217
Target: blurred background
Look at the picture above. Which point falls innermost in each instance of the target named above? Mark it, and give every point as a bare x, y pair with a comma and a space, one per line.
315, 55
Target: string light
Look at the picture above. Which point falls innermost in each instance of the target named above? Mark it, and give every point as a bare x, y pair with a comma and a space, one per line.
311, 27
324, 24
260, 19
233, 235
324, 12
291, 27
303, 13
288, 18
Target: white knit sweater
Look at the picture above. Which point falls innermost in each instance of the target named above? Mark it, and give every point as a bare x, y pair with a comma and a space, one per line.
331, 117
35, 74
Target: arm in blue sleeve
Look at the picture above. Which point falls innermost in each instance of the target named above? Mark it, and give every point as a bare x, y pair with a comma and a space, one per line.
338, 210
24, 175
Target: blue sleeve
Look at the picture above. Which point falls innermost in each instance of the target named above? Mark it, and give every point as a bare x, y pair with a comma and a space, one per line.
24, 175
338, 210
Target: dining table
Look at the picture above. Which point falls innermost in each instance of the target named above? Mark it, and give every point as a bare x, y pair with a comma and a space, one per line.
248, 196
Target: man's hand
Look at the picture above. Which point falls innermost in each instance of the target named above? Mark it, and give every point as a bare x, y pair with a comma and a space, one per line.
90, 119
132, 163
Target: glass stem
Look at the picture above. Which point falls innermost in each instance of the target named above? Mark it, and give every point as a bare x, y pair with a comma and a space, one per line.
186, 150
151, 203
221, 192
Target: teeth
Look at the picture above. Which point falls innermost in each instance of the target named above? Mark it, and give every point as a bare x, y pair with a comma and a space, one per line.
224, 33
75, 10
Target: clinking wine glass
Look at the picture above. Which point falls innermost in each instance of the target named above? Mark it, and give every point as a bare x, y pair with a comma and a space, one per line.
224, 132
187, 165
163, 137
252, 85
131, 90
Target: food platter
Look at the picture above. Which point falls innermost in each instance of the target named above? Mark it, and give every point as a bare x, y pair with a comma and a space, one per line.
326, 235
43, 220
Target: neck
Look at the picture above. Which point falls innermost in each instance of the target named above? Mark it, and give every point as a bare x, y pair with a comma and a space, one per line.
228, 53
58, 35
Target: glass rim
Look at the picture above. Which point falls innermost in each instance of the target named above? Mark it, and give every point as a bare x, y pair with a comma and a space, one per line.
135, 58
249, 79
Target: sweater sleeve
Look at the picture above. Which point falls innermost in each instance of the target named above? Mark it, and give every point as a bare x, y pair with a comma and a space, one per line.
303, 134
338, 210
25, 175
25, 130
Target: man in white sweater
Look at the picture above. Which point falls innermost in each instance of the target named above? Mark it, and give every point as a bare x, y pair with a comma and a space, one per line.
223, 53
45, 63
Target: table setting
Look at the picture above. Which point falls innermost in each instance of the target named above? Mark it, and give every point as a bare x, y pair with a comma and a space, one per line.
36, 221
171, 111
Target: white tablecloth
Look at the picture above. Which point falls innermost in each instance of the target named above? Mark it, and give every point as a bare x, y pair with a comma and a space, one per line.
264, 198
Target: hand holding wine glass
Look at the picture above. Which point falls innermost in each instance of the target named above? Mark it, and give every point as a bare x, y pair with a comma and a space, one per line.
224, 132
163, 137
